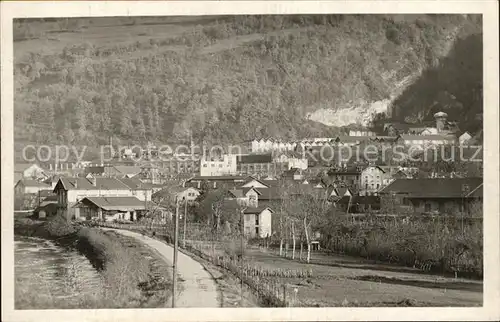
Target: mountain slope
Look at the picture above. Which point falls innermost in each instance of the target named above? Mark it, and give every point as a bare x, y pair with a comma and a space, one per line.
455, 86
223, 79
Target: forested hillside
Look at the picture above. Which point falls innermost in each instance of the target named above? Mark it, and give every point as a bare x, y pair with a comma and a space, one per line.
235, 78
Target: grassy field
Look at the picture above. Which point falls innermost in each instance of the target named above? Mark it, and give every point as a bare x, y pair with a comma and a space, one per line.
337, 280
352, 281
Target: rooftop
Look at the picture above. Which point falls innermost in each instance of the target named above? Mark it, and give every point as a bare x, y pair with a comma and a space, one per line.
435, 187
255, 158
33, 183
86, 184
218, 178
113, 203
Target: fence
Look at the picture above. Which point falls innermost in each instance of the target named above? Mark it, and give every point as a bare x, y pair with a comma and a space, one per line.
262, 281
269, 290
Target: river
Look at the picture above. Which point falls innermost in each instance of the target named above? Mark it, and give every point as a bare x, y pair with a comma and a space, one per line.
47, 273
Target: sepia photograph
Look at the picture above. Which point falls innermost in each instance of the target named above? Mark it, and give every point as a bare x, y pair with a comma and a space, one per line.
326, 160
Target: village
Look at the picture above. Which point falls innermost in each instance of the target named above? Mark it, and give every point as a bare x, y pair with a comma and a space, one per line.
126, 190
297, 200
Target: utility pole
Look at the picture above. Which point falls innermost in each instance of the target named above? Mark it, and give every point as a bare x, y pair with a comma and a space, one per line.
174, 268
242, 248
185, 223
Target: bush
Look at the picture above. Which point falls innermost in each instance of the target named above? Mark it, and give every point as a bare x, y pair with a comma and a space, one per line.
442, 246
124, 269
59, 226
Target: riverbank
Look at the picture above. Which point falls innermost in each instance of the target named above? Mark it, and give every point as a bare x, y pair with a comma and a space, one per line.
199, 288
133, 276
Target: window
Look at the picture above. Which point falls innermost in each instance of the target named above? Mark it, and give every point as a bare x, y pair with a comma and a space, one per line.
257, 231
256, 220
378, 185
427, 207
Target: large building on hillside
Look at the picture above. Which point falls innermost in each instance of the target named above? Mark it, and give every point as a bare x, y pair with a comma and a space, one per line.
440, 126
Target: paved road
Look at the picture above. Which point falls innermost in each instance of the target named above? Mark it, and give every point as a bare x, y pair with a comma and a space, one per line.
199, 288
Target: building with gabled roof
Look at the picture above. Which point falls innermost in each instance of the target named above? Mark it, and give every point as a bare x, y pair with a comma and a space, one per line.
30, 186
124, 171
181, 193
110, 208
436, 195
71, 190
257, 220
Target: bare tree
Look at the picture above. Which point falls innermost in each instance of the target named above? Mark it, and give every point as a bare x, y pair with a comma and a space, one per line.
310, 207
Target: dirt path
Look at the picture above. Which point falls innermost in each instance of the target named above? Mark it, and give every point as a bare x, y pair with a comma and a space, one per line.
199, 288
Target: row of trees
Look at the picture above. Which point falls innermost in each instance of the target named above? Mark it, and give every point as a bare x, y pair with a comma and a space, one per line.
447, 244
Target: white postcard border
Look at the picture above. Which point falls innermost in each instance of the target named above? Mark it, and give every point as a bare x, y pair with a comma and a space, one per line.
489, 9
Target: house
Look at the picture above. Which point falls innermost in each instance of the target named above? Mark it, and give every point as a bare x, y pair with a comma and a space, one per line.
218, 165
123, 171
178, 165
425, 141
346, 140
294, 174
256, 183
181, 193
28, 171
149, 173
429, 131
464, 138
94, 170
372, 180
30, 186
338, 193
257, 220
71, 190
435, 195
291, 158
270, 144
215, 182
258, 164
361, 133
139, 189
349, 177
110, 208
245, 196
46, 197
